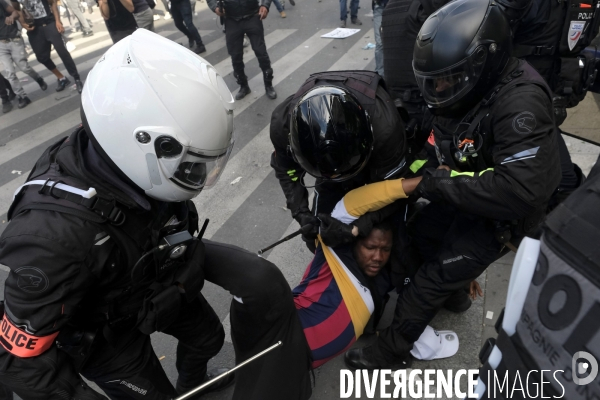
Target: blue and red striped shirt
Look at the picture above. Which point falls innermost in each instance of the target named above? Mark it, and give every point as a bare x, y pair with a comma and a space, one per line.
322, 310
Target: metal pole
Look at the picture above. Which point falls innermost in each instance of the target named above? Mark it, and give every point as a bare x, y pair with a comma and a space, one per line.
199, 388
285, 239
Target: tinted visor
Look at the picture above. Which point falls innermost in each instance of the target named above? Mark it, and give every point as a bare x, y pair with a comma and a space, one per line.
444, 87
330, 134
201, 172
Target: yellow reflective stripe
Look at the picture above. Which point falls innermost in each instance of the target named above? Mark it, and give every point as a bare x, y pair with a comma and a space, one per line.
416, 165
356, 304
294, 179
456, 173
291, 172
472, 174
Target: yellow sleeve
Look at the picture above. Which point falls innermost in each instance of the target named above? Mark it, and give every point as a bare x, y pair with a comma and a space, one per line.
368, 198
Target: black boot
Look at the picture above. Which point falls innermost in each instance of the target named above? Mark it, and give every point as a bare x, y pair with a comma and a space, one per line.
23, 101
199, 49
7, 105
268, 78
242, 80
458, 302
42, 83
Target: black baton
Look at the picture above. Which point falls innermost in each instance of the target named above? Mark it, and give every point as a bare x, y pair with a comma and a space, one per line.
285, 239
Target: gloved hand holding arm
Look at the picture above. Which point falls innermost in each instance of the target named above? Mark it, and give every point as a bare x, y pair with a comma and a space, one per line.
337, 230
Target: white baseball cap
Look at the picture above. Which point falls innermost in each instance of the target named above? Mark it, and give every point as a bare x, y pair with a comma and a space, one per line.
434, 344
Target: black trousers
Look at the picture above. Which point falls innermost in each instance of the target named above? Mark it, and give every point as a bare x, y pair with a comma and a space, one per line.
234, 35
262, 313
181, 10
456, 248
569, 177
5, 89
129, 368
42, 38
116, 36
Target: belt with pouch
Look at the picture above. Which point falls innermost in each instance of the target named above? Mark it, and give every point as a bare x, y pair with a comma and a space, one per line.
16, 39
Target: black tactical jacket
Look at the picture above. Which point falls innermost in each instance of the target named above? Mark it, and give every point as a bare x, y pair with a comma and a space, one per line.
518, 168
72, 273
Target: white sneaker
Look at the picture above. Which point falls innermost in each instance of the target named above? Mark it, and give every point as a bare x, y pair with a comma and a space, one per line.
156, 17
167, 15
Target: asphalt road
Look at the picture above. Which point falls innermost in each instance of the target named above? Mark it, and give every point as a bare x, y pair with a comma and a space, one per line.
247, 208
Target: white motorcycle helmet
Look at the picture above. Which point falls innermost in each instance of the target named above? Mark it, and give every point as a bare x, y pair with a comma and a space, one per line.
161, 114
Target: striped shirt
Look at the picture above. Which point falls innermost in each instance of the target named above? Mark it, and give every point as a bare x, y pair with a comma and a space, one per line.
334, 300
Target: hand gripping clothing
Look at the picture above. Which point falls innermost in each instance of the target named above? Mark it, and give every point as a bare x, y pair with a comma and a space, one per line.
511, 178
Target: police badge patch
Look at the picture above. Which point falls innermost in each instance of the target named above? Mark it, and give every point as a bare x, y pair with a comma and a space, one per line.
575, 32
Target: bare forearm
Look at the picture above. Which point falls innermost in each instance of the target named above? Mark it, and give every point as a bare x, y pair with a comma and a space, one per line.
54, 8
104, 10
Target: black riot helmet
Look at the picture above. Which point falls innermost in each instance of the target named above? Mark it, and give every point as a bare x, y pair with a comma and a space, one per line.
460, 53
330, 134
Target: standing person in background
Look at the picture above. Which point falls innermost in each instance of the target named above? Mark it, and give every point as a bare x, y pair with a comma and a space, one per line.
181, 11
280, 8
378, 6
353, 12
143, 14
245, 17
12, 51
118, 18
45, 32
85, 26
6, 94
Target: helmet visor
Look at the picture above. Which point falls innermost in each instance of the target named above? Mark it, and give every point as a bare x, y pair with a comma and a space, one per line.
444, 87
197, 171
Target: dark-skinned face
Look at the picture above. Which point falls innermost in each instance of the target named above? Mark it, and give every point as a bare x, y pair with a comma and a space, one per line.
373, 252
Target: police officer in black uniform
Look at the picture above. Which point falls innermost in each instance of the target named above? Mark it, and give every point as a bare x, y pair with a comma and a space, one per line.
342, 128
245, 17
494, 146
539, 30
104, 249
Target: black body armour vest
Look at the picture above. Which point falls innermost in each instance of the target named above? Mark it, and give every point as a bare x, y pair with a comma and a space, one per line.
126, 303
400, 24
474, 136
362, 84
551, 37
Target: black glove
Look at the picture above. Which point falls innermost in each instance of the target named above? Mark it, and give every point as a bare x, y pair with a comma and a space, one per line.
333, 232
365, 223
309, 224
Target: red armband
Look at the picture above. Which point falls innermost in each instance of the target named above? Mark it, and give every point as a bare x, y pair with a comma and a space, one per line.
22, 344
